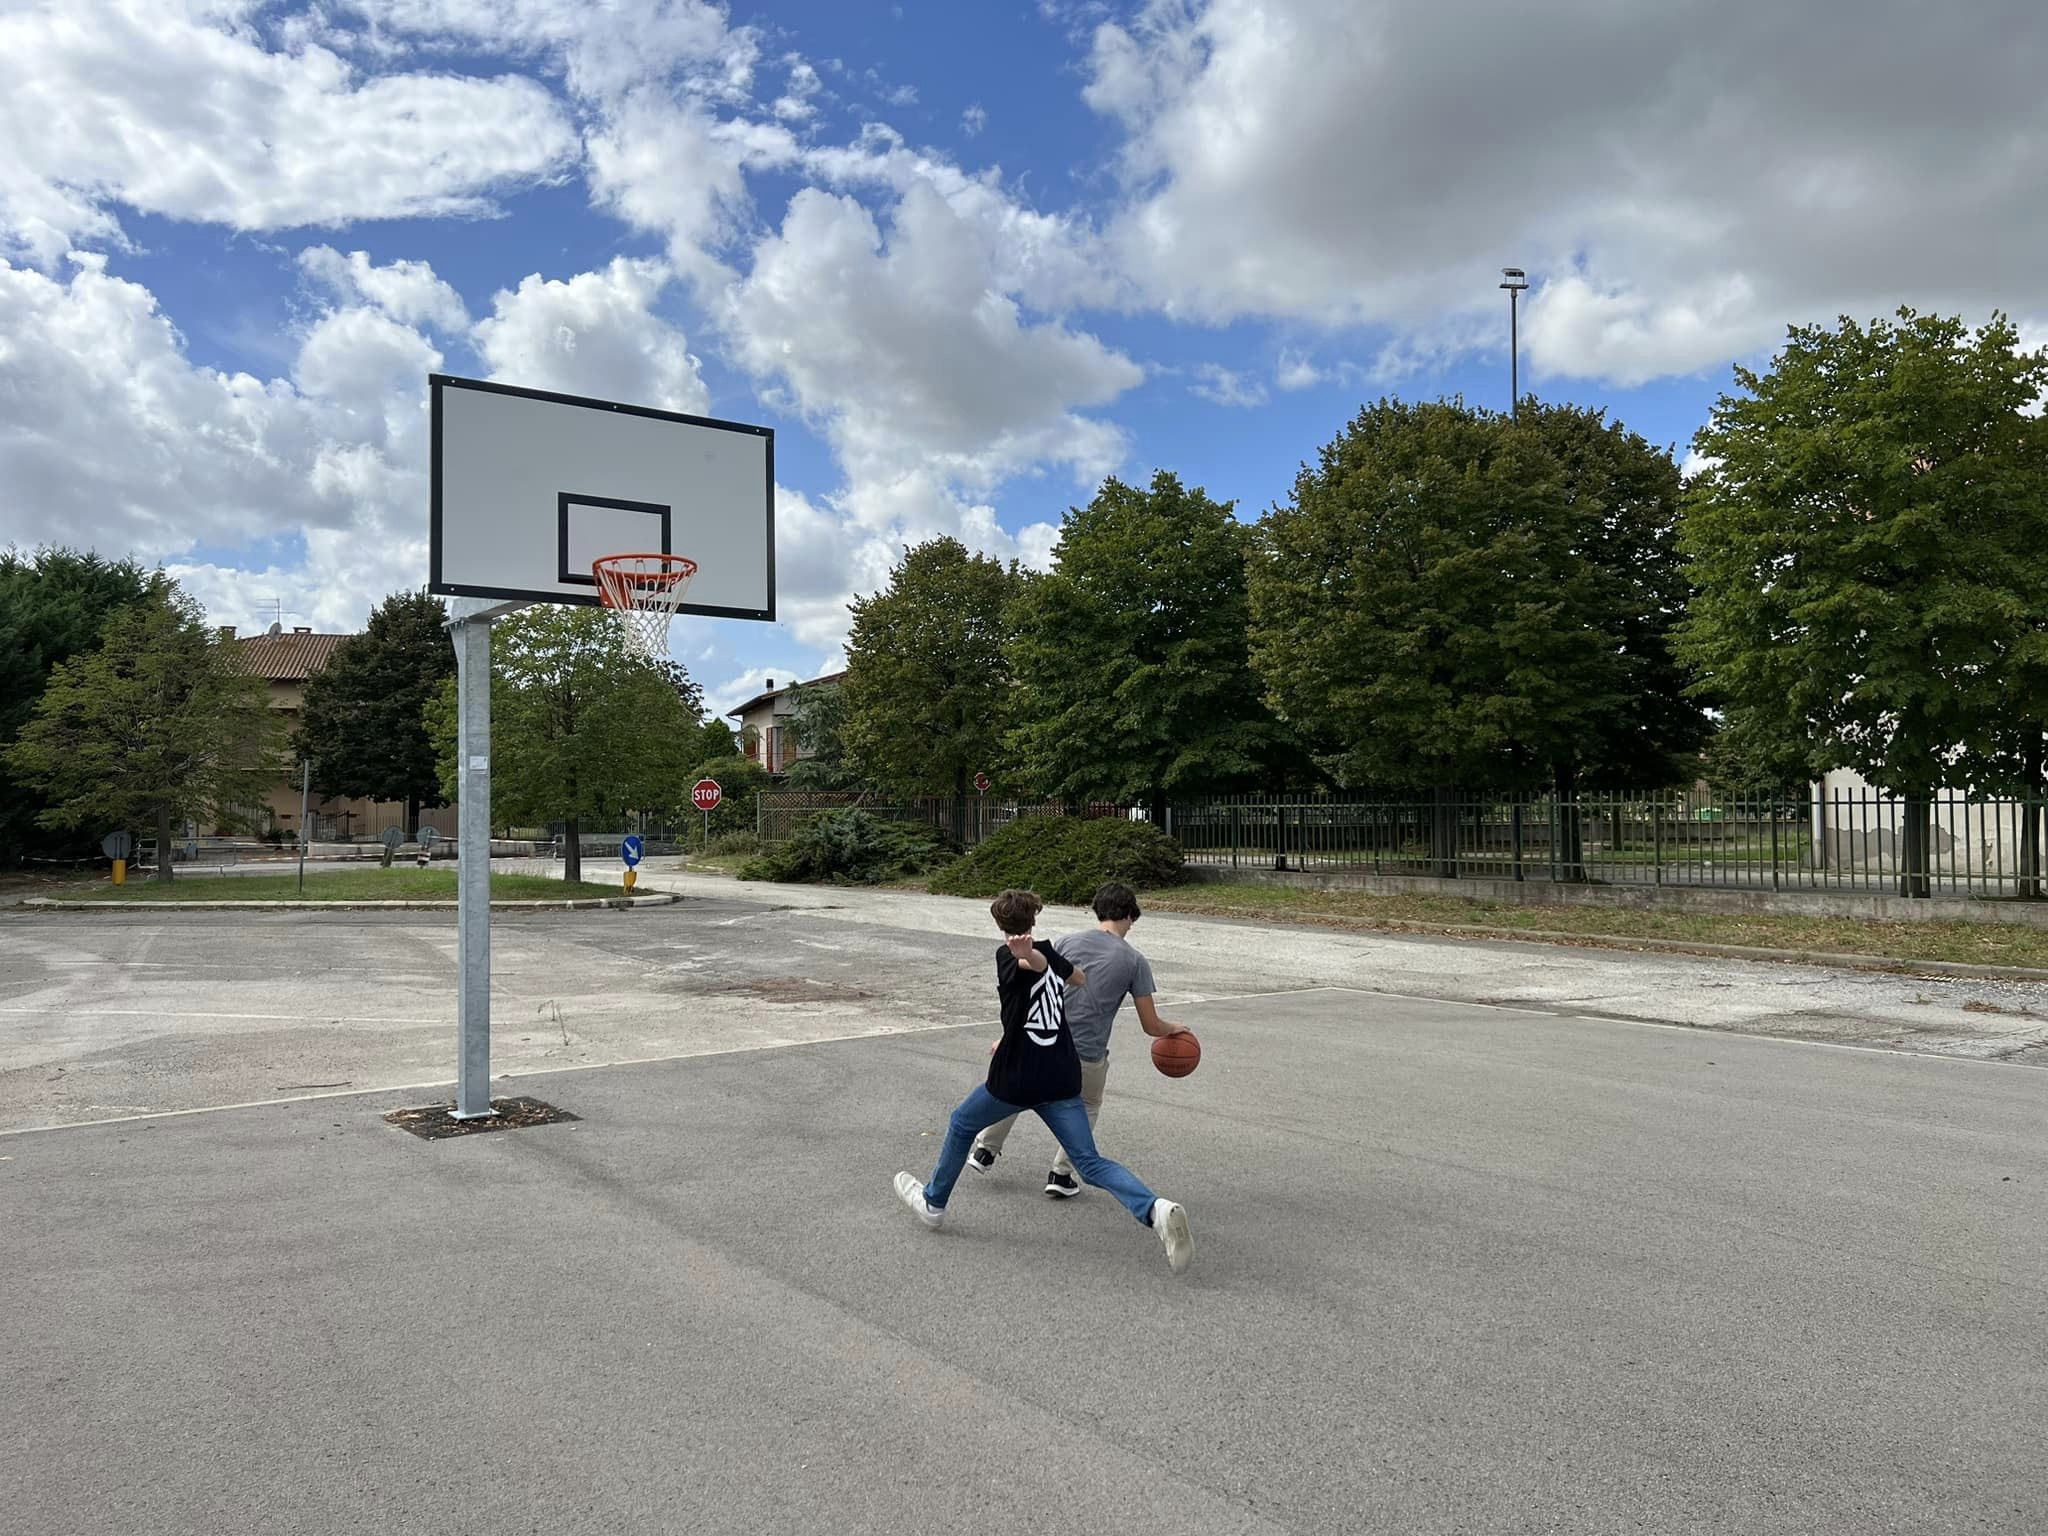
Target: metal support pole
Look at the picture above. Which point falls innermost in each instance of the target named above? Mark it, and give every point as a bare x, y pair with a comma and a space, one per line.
473, 873
305, 829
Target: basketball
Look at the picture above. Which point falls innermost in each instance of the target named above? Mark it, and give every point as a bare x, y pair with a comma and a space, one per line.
1177, 1055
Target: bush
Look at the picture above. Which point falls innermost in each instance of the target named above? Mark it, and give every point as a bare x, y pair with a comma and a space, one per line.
852, 848
725, 844
1064, 859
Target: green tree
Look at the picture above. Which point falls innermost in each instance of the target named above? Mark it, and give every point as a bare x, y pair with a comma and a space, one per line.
817, 724
582, 730
53, 605
1428, 615
1132, 656
928, 687
707, 740
363, 725
1866, 549
157, 725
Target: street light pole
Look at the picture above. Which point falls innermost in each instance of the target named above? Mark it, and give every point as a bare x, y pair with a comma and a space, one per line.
1515, 283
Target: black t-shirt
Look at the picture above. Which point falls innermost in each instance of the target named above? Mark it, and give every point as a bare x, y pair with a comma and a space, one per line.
1036, 1063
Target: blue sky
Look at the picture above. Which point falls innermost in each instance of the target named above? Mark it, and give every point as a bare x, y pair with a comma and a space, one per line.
965, 259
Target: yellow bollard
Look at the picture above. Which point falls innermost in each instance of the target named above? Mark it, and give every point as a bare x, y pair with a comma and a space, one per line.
631, 876
120, 871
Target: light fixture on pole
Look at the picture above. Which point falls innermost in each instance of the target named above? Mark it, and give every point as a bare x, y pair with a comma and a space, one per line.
1515, 283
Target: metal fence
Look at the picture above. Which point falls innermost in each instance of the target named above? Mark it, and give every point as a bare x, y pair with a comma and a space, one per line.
1800, 840
1848, 842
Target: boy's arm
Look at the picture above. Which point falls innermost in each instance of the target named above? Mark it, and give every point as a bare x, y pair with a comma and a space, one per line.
1024, 952
1151, 1023
1070, 973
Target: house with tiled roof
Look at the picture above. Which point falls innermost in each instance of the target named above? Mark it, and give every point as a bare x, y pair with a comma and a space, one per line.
287, 660
765, 735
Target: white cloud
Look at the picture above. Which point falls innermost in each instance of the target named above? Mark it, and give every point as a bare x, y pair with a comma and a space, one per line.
973, 120
117, 441
1682, 180
1296, 371
101, 105
1053, 261
604, 50
908, 354
663, 165
796, 104
407, 291
1224, 386
595, 334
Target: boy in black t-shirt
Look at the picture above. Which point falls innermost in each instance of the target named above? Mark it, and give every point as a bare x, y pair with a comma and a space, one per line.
1035, 1067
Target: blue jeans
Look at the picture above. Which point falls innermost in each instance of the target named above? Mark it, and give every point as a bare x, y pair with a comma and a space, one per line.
1067, 1119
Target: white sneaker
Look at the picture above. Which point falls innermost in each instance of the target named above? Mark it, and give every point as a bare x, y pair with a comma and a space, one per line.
1171, 1223
911, 1193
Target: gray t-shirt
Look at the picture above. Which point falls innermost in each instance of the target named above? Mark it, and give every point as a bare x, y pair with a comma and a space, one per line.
1115, 971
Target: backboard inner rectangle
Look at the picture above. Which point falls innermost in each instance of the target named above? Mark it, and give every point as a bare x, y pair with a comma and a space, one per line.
595, 526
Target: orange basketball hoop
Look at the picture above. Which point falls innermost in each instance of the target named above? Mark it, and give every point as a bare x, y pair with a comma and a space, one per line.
644, 591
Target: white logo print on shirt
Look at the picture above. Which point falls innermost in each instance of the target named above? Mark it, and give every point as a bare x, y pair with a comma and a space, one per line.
1048, 1008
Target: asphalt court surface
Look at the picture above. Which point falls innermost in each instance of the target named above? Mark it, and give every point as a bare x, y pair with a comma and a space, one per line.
1458, 1268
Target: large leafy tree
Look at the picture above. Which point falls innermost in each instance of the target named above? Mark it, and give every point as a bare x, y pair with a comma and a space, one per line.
53, 605
363, 723
1132, 657
157, 725
1438, 606
1867, 551
1622, 502
928, 686
582, 730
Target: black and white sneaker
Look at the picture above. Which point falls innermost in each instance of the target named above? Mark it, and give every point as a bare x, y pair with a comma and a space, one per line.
1061, 1185
980, 1159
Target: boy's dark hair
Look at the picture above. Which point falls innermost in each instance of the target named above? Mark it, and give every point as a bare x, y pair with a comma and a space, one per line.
1016, 912
1116, 903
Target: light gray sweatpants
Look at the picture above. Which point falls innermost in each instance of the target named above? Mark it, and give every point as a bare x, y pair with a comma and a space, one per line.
1093, 1075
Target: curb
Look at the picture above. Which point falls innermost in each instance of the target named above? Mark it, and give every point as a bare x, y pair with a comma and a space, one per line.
1963, 970
586, 904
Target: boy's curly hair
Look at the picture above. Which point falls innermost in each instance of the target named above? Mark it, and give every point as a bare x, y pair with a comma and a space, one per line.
1016, 912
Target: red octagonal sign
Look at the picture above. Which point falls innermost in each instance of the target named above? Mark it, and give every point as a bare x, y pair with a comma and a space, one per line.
706, 794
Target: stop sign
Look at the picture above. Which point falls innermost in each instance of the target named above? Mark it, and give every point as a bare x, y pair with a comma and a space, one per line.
706, 794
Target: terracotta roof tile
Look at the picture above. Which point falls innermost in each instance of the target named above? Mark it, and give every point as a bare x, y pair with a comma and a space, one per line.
290, 658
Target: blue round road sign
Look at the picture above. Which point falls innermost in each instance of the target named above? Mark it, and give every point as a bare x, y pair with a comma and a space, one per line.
631, 848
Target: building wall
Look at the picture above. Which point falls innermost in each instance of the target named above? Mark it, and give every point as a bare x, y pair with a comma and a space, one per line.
1858, 826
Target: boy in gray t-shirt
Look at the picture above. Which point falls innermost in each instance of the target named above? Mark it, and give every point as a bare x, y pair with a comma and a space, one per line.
1115, 971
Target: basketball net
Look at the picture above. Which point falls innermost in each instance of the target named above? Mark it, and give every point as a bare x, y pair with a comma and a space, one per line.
644, 591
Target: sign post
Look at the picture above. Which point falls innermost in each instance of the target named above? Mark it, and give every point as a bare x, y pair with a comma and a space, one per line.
706, 796
305, 798
980, 806
629, 853
117, 846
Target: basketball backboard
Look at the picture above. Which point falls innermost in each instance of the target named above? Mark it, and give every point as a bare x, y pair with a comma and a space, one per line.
529, 487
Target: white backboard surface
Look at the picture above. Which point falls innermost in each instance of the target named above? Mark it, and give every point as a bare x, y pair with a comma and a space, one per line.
529, 487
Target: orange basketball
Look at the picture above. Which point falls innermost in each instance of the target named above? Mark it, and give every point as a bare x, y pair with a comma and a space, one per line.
1176, 1055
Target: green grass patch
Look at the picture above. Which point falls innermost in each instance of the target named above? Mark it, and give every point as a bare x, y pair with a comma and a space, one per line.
335, 885
2021, 944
